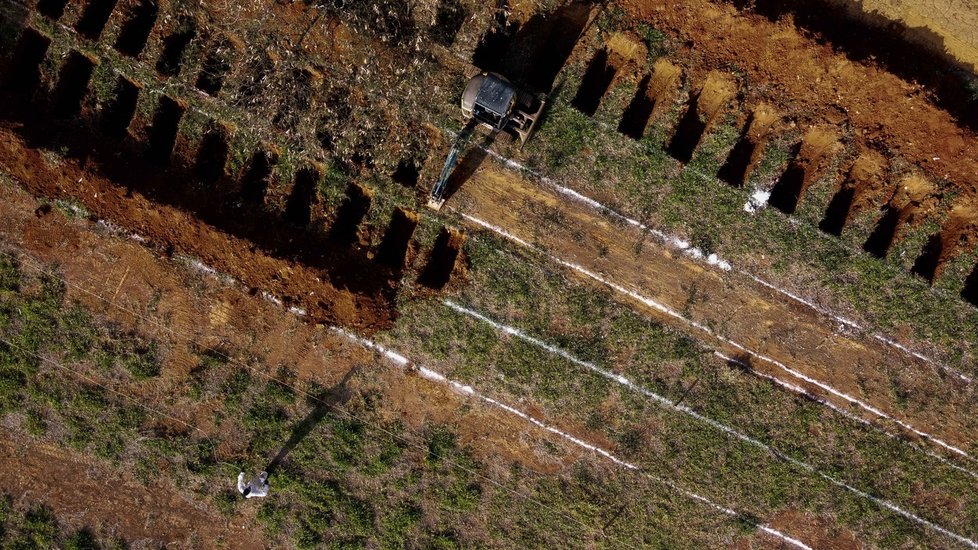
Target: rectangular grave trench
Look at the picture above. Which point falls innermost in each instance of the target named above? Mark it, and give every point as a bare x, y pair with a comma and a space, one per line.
24, 71
258, 175
394, 247
72, 86
163, 131
94, 18
136, 30
442, 259
352, 211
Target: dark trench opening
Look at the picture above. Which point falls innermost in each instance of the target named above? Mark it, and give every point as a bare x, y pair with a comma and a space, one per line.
494, 44
135, 32
212, 155
970, 291
837, 214
879, 242
73, 79
639, 111
346, 226
407, 173
394, 246
689, 132
786, 193
53, 9
298, 207
442, 260
94, 18
927, 263
24, 71
215, 68
598, 78
448, 21
163, 132
118, 115
258, 176
174, 46
735, 169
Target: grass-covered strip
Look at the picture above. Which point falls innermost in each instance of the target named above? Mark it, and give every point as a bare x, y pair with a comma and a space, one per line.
356, 476
514, 289
640, 180
37, 527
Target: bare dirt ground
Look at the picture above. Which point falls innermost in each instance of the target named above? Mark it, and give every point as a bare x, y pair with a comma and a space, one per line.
121, 279
954, 22
872, 109
732, 306
95, 496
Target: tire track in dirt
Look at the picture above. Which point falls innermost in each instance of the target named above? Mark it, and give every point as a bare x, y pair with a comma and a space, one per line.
741, 319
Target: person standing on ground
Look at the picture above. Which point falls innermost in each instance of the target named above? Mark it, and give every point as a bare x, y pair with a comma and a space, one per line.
255, 488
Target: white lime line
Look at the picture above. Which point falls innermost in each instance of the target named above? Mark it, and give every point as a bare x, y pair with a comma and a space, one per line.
713, 259
670, 404
435, 376
710, 332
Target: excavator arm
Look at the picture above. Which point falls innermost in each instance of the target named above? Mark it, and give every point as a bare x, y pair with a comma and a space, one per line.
437, 197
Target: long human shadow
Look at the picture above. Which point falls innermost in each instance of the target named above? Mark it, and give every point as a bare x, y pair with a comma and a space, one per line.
330, 398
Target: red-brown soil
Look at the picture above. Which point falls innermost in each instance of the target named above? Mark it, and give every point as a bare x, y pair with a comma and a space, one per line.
83, 492
814, 84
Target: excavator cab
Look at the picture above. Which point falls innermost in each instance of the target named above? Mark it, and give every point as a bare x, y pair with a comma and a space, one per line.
492, 101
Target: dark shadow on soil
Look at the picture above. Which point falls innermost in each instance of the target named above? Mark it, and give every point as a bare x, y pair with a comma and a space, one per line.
533, 54
94, 18
879, 242
24, 67
639, 111
735, 168
213, 152
837, 213
970, 291
258, 176
174, 46
441, 262
397, 239
407, 173
689, 132
135, 32
448, 21
926, 264
163, 132
52, 9
346, 226
597, 80
210, 80
72, 85
298, 207
877, 40
786, 193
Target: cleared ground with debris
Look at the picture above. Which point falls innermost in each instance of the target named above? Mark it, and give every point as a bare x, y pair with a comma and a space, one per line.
721, 297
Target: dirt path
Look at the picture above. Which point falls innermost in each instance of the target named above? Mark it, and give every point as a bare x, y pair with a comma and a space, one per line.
724, 309
83, 492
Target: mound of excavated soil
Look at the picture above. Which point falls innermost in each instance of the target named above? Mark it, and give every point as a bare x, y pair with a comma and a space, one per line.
815, 83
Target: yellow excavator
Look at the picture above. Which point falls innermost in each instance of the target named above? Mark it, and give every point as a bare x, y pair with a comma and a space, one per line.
492, 101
